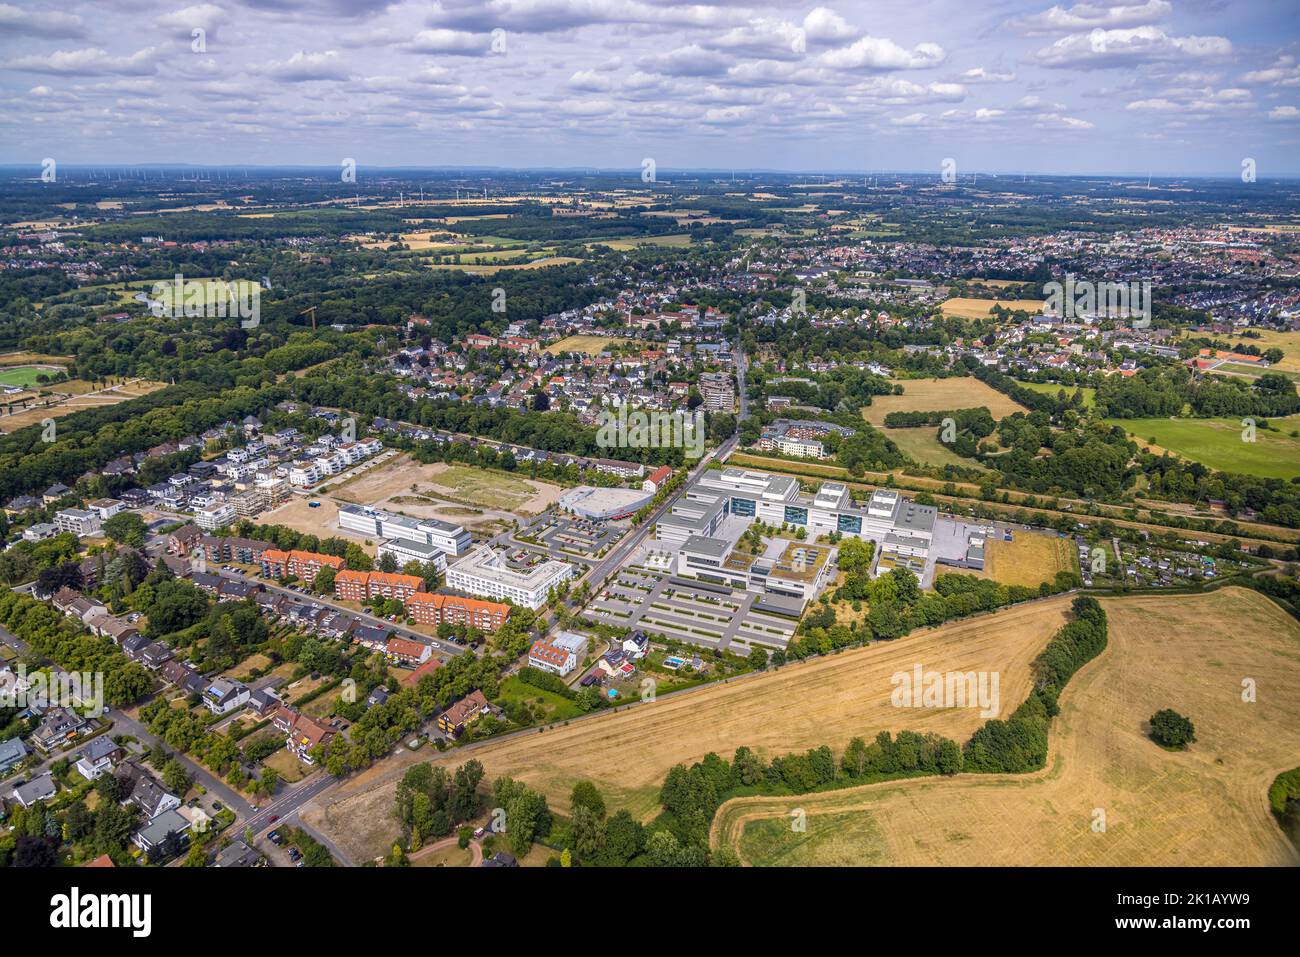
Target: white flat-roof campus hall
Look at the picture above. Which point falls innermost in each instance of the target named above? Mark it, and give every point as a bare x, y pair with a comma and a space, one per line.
902, 529
408, 538
489, 574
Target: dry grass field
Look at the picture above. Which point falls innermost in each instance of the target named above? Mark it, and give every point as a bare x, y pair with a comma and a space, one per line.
591, 345
628, 752
961, 307
66, 398
1203, 806
940, 395
1028, 559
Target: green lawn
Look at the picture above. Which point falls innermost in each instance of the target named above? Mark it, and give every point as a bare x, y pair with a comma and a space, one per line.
24, 377
557, 708
1218, 443
1053, 388
923, 445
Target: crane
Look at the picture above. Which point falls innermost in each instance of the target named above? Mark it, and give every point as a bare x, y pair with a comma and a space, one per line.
312, 310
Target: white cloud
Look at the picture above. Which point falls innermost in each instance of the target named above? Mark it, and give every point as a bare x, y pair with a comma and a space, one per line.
1113, 48
1090, 16
878, 53
87, 62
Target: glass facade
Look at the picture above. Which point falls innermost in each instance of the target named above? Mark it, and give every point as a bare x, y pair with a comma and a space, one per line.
849, 523
743, 506
796, 515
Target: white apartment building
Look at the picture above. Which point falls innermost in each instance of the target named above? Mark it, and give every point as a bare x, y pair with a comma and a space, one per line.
304, 474
79, 521
487, 574
217, 515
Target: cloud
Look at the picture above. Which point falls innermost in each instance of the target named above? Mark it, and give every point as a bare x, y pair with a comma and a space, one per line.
305, 67
87, 62
1114, 48
878, 53
548, 16
450, 42
206, 16
980, 75
15, 21
591, 81
1284, 113
1088, 16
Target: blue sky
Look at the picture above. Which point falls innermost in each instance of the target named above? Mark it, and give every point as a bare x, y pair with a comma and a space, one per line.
1162, 86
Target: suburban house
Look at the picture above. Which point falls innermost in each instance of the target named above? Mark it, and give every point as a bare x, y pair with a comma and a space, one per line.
12, 753
59, 727
406, 651
224, 696
463, 713
97, 757
159, 827
145, 793
38, 789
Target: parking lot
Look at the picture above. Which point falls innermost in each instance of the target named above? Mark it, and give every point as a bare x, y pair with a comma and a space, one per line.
566, 536
712, 616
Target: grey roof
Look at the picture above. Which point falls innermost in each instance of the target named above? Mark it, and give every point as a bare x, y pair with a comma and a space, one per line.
156, 831
12, 751
39, 789
98, 748
716, 547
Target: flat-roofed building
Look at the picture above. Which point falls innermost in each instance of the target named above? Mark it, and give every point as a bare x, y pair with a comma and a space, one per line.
494, 574
447, 537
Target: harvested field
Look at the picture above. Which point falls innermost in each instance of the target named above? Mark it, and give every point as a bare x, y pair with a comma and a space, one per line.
960, 307
1203, 806
628, 752
1030, 558
591, 345
940, 395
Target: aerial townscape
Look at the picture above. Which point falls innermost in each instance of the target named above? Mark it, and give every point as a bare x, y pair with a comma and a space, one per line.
838, 493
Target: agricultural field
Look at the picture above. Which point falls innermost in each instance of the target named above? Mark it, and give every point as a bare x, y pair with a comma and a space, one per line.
1202, 806
1218, 443
940, 395
1288, 342
962, 307
591, 345
628, 752
1029, 559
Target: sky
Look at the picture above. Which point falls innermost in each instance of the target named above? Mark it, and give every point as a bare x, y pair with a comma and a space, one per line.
1167, 87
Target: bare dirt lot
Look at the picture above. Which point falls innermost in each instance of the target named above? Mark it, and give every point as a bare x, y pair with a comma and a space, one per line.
628, 752
426, 491
1203, 806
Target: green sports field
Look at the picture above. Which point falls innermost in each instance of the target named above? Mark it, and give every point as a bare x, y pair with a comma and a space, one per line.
22, 376
1218, 443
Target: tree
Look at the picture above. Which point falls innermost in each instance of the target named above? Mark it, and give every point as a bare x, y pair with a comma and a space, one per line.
586, 795
1172, 730
757, 658
126, 528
